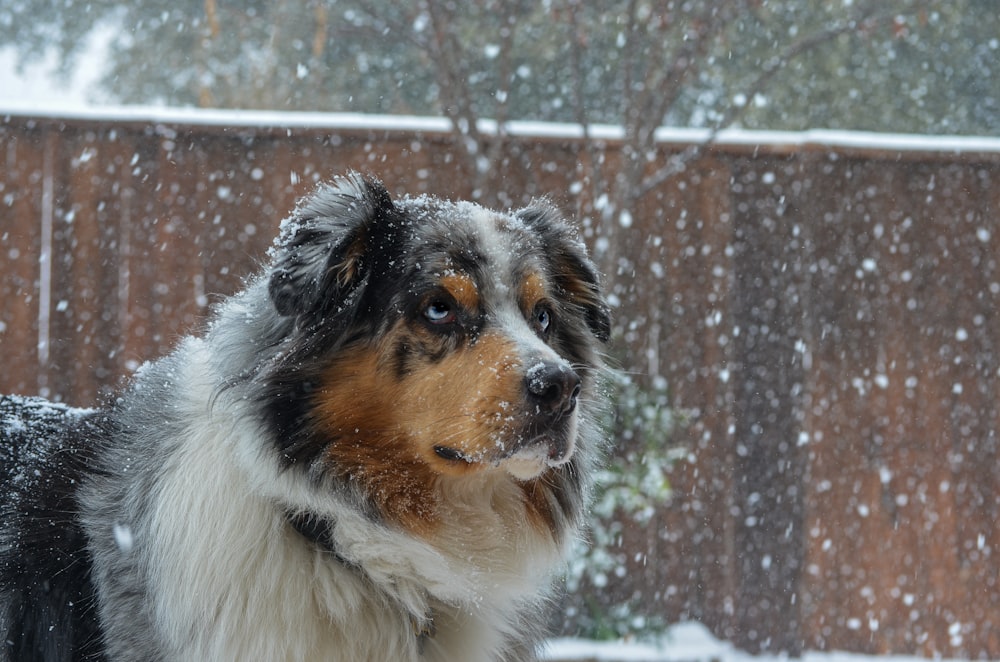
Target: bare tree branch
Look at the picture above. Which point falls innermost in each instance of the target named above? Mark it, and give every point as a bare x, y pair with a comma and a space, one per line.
771, 68
689, 57
498, 145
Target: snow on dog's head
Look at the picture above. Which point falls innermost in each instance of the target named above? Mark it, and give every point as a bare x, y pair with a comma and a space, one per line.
435, 342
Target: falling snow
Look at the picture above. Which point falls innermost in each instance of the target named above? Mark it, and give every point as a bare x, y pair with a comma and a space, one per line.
808, 320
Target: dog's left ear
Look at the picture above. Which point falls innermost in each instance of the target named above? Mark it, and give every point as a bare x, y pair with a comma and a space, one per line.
322, 253
574, 272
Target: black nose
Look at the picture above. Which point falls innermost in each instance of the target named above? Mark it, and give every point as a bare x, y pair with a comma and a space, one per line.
552, 387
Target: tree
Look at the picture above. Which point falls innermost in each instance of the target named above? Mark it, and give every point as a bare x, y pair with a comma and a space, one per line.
925, 66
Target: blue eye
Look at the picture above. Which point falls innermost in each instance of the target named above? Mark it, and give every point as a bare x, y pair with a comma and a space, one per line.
439, 312
543, 320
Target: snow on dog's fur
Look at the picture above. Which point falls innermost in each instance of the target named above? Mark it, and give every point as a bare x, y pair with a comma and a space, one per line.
379, 450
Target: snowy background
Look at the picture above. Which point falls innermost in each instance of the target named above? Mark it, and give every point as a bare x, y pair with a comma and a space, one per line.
918, 105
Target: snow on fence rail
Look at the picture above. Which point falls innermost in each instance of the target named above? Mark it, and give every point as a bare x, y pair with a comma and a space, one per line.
823, 308
770, 141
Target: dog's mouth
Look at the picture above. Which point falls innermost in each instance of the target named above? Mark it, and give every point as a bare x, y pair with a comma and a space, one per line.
554, 449
533, 458
452, 454
524, 456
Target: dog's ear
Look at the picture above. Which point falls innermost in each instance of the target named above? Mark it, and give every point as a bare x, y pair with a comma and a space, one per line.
322, 252
574, 272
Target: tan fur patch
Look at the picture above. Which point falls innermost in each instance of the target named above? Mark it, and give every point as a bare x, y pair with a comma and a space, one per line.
470, 401
367, 445
349, 269
533, 290
537, 494
384, 427
463, 289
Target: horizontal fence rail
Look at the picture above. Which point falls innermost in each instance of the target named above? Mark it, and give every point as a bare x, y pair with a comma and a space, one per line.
825, 318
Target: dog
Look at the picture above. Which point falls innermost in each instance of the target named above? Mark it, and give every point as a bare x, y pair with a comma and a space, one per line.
381, 449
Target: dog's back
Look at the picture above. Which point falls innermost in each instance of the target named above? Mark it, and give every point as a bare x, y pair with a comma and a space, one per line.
47, 607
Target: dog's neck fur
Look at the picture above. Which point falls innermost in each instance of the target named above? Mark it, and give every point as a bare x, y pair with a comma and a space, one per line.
318, 532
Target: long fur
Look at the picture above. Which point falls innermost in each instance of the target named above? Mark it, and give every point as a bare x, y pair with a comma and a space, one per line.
379, 450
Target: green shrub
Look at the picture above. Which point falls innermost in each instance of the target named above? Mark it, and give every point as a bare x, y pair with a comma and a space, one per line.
631, 485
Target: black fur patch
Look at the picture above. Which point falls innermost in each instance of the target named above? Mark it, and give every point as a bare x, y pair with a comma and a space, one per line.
44, 576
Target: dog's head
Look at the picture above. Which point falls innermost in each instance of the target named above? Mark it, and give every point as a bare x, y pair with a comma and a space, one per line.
432, 339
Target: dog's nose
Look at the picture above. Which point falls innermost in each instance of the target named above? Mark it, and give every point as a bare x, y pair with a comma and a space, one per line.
552, 387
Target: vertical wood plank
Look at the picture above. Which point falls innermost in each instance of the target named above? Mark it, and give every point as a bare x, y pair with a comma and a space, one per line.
20, 247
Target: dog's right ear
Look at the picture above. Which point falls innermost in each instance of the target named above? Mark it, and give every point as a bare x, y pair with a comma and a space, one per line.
321, 254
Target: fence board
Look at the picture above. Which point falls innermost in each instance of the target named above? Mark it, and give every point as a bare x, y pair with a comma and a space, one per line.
692, 305
20, 248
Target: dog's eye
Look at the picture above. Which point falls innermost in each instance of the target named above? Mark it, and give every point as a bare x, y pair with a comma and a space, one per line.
543, 319
439, 312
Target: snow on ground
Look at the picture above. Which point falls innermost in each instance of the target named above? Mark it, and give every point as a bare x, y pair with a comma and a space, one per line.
686, 642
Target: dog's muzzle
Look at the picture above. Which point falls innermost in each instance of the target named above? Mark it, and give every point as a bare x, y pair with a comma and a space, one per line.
545, 435
552, 389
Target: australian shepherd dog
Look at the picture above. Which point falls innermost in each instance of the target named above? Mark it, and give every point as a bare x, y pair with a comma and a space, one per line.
380, 450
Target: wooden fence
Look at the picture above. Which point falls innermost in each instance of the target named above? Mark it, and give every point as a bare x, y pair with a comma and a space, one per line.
825, 316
